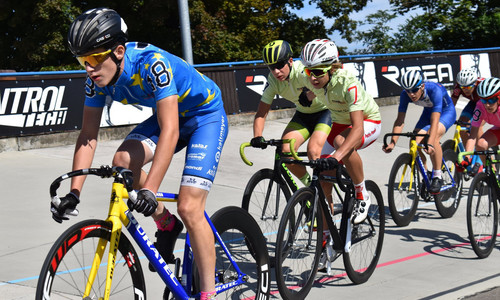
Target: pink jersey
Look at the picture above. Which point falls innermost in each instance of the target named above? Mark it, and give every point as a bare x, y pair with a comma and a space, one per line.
481, 114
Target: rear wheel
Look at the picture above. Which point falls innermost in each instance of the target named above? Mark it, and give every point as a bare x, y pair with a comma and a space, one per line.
366, 239
242, 237
403, 190
448, 199
482, 215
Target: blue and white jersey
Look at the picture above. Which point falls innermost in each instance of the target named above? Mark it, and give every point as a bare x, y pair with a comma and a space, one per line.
151, 74
434, 99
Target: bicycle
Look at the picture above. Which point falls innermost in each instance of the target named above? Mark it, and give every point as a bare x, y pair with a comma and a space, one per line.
409, 181
268, 190
299, 244
73, 268
482, 205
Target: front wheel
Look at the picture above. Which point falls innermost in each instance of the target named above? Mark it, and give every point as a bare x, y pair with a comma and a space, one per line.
366, 239
482, 216
248, 253
402, 190
298, 245
265, 199
448, 199
66, 268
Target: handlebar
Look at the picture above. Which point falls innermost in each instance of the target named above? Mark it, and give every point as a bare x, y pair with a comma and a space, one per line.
120, 174
462, 123
345, 182
482, 152
411, 135
271, 142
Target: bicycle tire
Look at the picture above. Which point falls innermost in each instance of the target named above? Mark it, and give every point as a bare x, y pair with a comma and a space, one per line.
296, 260
247, 246
65, 269
266, 213
482, 215
448, 144
448, 200
403, 202
367, 239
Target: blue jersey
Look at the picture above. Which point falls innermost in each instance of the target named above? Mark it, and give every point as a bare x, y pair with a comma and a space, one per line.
151, 74
434, 99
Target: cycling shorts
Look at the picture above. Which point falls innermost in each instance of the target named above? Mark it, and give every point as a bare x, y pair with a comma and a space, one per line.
372, 131
447, 118
306, 124
468, 110
496, 132
203, 137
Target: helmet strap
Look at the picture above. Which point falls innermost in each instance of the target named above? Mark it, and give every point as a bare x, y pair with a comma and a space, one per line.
118, 63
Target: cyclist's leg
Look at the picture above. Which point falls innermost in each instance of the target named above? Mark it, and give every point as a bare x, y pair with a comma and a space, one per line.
489, 139
204, 136
298, 131
466, 116
320, 127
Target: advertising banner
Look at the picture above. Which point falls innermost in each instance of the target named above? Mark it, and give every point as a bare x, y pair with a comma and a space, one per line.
442, 69
40, 106
250, 84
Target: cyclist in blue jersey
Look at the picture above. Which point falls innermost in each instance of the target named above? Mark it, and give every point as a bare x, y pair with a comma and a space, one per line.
188, 113
437, 117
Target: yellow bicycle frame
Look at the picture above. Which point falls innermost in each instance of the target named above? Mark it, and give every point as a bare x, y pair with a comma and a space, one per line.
117, 217
413, 153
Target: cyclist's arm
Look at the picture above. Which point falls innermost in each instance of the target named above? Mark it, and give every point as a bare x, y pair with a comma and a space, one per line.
168, 119
260, 118
86, 145
398, 126
471, 141
354, 137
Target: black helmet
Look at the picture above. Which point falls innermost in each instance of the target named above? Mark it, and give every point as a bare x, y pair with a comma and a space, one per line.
95, 28
276, 51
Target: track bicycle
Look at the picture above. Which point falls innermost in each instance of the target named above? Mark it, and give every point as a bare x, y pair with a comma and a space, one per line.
300, 241
76, 267
268, 190
482, 205
409, 181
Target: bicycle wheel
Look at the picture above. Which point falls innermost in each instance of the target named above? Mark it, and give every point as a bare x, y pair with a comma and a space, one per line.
402, 196
448, 144
448, 200
298, 246
482, 215
246, 244
265, 199
66, 268
366, 239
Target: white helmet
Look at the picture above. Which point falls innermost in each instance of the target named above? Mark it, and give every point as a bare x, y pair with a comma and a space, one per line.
489, 88
467, 77
412, 79
319, 52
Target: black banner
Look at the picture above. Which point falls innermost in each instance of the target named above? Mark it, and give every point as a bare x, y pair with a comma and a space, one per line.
441, 69
250, 84
40, 106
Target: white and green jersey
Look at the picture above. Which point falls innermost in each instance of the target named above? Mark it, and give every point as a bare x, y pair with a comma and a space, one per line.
343, 95
290, 89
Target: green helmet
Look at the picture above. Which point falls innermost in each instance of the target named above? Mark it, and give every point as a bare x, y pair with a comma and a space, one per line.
276, 51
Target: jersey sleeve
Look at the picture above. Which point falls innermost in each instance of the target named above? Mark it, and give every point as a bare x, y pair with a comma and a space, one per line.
94, 96
159, 77
456, 93
270, 91
478, 115
403, 102
436, 97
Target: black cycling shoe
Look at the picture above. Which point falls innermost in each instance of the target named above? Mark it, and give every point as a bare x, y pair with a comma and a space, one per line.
436, 184
165, 242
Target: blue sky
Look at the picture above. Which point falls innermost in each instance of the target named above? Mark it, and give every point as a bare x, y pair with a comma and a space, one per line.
371, 7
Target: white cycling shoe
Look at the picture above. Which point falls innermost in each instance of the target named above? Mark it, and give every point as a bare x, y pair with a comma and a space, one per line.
361, 210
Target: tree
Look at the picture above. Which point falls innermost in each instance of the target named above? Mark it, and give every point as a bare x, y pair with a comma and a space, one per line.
457, 24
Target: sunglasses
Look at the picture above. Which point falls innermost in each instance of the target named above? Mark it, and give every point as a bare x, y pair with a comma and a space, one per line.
279, 65
413, 90
468, 87
93, 59
318, 73
490, 101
